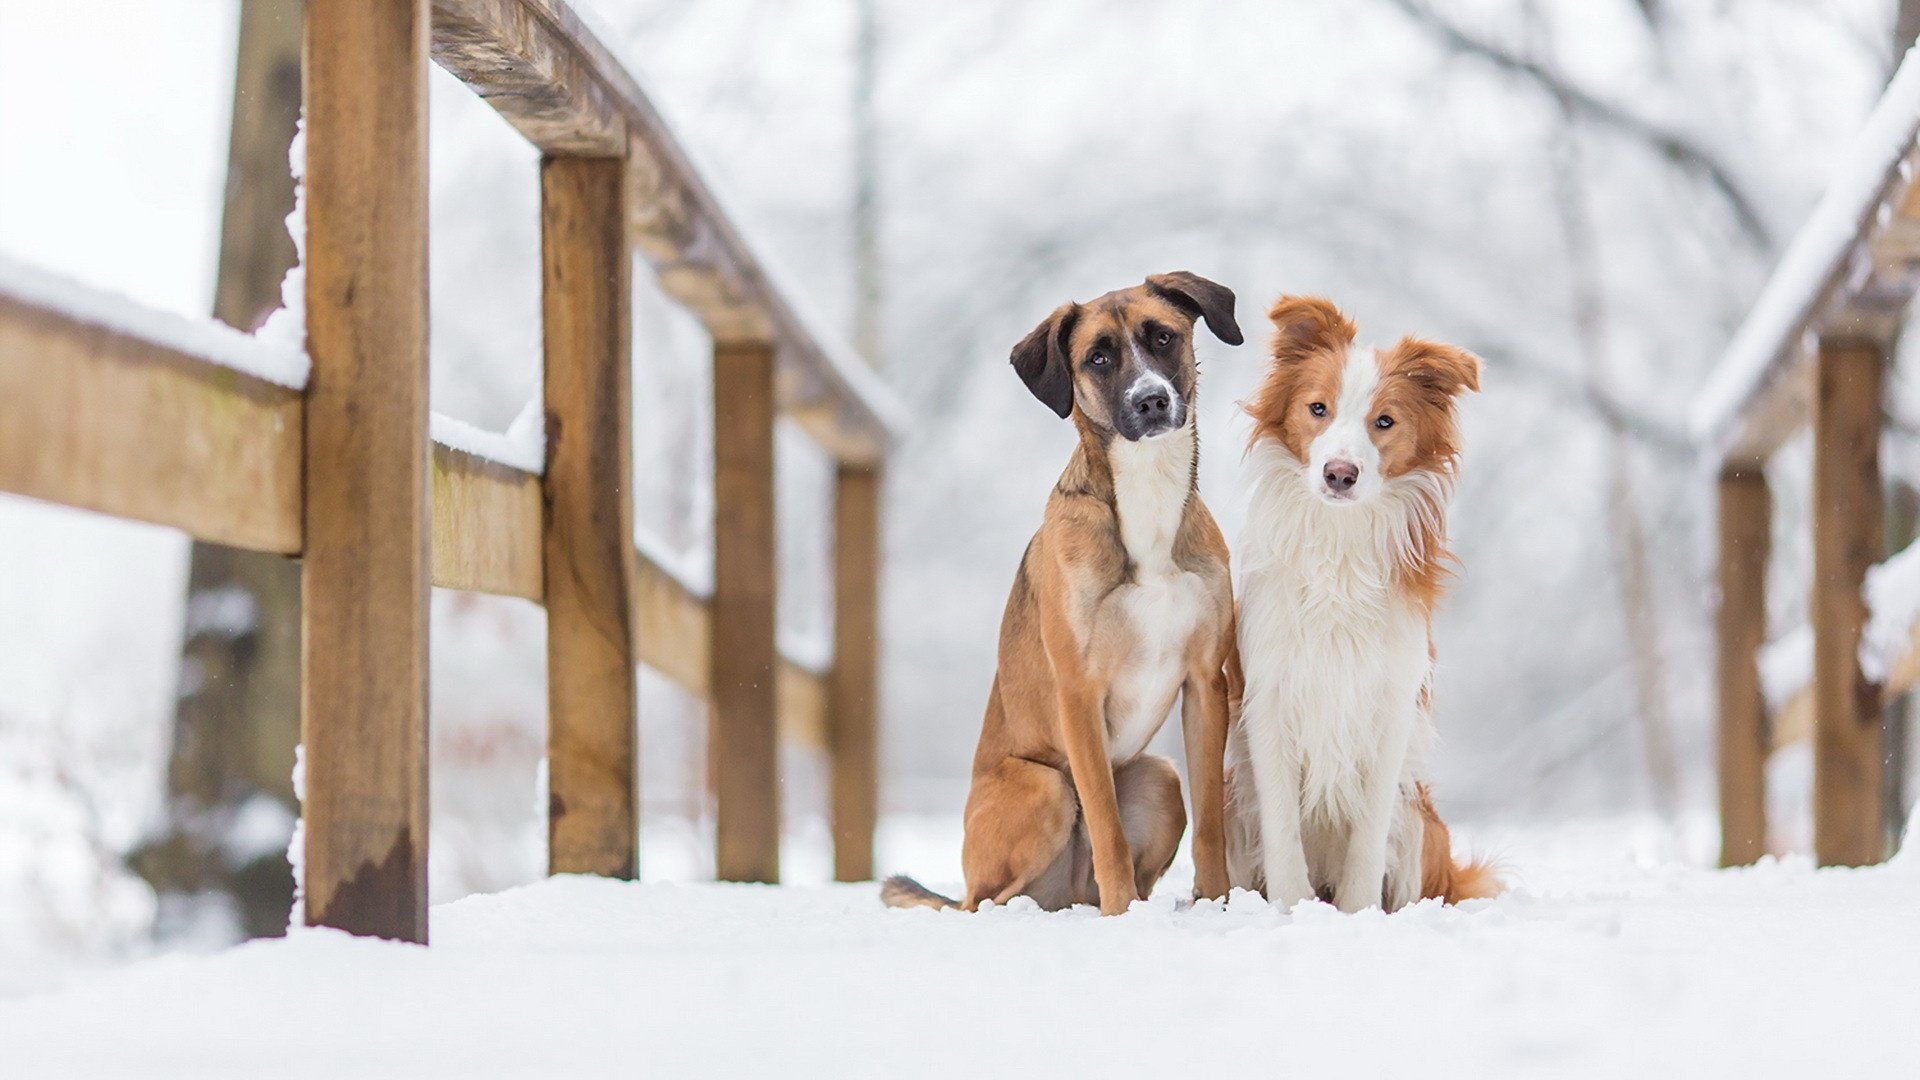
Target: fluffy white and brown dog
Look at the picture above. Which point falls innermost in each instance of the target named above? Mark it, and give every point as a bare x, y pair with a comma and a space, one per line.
1343, 555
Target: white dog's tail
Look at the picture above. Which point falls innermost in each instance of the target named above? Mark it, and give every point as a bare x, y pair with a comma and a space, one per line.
1440, 876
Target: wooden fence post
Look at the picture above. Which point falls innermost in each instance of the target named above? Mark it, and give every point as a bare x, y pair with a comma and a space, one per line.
1746, 517
236, 725
745, 740
593, 820
852, 736
366, 569
1847, 537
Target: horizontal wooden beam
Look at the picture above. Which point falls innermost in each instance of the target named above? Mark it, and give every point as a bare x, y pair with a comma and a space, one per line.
559, 84
486, 526
508, 52
100, 419
672, 623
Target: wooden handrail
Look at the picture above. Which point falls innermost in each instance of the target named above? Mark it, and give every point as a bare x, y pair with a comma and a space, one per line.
1814, 351
1849, 272
112, 407
170, 438
550, 76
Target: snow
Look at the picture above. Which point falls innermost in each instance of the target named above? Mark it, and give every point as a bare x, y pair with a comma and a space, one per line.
204, 339
1853, 198
1892, 593
286, 326
522, 446
1893, 605
1607, 960
691, 568
1786, 666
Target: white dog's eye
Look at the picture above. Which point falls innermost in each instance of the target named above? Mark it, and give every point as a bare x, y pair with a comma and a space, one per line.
1318, 408
1384, 422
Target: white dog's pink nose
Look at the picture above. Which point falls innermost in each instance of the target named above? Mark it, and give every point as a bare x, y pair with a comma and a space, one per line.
1340, 476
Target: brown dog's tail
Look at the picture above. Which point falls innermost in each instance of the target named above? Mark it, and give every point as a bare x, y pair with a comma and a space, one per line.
1442, 878
903, 892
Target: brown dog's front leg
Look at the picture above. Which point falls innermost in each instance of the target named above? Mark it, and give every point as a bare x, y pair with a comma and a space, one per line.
1085, 734
1203, 720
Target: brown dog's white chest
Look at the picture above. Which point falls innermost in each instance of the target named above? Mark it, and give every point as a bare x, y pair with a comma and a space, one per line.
1149, 623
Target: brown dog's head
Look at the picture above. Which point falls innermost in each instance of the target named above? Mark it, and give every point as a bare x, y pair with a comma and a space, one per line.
1124, 363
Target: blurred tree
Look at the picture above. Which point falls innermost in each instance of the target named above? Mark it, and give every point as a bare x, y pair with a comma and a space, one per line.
869, 299
229, 786
1627, 532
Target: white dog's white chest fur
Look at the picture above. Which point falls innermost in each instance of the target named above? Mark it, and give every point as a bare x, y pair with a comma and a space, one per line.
1335, 652
1152, 480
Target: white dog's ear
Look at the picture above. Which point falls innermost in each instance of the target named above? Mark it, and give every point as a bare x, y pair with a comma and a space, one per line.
1304, 325
1443, 369
1200, 298
1042, 363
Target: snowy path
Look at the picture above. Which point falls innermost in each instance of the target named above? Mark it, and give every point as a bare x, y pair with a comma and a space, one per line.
1611, 970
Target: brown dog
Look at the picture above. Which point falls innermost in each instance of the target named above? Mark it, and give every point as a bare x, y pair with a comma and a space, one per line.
1122, 601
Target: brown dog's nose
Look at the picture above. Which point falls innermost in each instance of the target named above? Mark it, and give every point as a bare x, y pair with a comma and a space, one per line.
1152, 403
1341, 475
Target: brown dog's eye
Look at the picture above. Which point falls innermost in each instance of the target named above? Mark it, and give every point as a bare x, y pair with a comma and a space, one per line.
1384, 422
1318, 408
1162, 339
1097, 358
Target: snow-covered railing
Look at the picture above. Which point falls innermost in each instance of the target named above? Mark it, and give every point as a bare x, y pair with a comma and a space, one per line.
1815, 350
330, 453
549, 75
1847, 272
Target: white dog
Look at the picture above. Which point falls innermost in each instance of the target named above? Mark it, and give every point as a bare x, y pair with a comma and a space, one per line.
1342, 555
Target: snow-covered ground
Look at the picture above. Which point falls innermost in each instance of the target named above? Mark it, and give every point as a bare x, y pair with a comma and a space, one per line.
1612, 957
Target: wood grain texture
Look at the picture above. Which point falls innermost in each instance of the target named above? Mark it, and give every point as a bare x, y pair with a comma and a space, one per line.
554, 80
852, 729
100, 420
675, 632
593, 817
1847, 541
367, 562
743, 691
486, 526
1746, 520
511, 54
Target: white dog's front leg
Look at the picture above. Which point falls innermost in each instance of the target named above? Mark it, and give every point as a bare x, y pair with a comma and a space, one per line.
1276, 782
1363, 879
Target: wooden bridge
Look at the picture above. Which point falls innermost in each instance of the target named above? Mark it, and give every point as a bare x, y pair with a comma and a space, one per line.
1816, 351
153, 418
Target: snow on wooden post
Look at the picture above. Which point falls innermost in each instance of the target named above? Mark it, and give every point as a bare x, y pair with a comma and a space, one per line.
1847, 541
366, 550
593, 820
854, 683
1746, 514
744, 747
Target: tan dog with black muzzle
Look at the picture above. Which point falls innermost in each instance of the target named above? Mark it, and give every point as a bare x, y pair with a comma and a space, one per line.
1122, 601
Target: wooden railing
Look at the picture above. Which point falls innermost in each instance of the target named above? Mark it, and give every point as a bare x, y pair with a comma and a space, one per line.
1815, 350
178, 423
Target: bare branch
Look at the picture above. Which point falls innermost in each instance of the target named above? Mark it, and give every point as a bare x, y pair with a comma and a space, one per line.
1670, 145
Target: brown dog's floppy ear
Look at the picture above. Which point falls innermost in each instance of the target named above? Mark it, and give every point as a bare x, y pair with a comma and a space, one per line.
1304, 325
1200, 298
1443, 369
1041, 360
